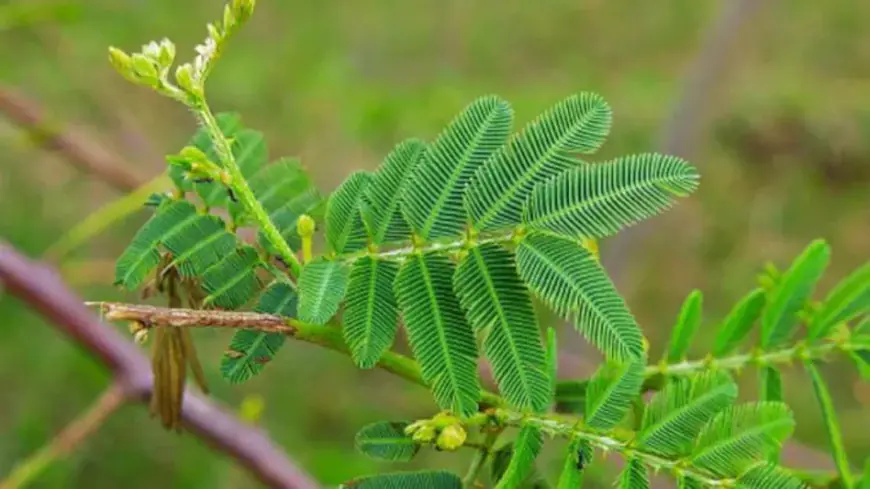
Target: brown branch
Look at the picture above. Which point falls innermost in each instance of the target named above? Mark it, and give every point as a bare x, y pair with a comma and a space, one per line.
85, 156
193, 318
67, 440
41, 287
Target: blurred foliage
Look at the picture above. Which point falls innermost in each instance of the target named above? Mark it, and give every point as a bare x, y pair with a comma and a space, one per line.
784, 160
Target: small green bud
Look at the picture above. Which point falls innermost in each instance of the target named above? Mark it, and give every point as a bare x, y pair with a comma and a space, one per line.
192, 153
122, 63
151, 50
242, 9
424, 434
305, 225
184, 78
166, 54
451, 437
444, 419
229, 18
145, 69
416, 425
214, 33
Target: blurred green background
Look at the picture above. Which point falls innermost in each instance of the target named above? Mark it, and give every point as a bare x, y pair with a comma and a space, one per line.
783, 153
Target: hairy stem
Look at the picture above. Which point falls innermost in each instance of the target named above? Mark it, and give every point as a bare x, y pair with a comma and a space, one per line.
241, 188
619, 441
68, 439
797, 352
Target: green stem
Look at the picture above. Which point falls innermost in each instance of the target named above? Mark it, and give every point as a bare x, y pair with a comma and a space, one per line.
657, 374
618, 441
330, 336
240, 186
797, 352
479, 459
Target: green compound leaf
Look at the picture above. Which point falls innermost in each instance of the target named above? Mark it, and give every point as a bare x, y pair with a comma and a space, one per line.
345, 231
370, 313
686, 327
676, 414
570, 397
251, 350
552, 360
571, 281
200, 246
595, 201
382, 213
322, 285
232, 282
791, 293
441, 339
740, 436
768, 476
386, 440
525, 450
497, 303
142, 255
406, 480
286, 191
577, 457
432, 202
544, 148
611, 392
739, 322
848, 300
829, 415
633, 476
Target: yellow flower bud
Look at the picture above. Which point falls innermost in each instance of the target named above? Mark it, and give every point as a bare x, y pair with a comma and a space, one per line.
185, 79
451, 437
424, 434
166, 53
145, 69
122, 63
242, 9
305, 225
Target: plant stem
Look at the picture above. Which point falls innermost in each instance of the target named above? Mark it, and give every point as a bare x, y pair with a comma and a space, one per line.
619, 441
480, 458
738, 362
68, 439
240, 186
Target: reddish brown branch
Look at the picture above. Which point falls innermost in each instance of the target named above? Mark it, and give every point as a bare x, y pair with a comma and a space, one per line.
41, 287
87, 157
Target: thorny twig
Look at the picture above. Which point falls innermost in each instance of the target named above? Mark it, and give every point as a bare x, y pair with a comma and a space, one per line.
41, 287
